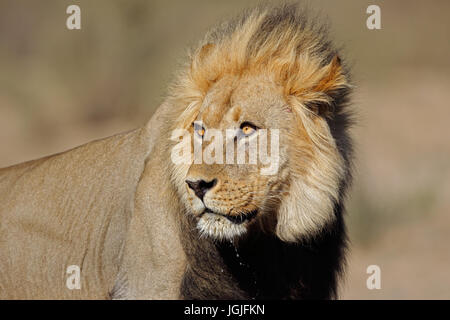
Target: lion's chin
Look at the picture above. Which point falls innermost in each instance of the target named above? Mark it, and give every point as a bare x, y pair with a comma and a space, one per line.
219, 227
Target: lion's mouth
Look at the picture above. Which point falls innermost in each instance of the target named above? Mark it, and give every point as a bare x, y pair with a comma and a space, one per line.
237, 219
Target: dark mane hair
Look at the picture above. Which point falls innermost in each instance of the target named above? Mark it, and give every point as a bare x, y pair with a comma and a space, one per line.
261, 266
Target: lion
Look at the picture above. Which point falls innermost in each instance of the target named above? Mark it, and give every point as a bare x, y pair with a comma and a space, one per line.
140, 225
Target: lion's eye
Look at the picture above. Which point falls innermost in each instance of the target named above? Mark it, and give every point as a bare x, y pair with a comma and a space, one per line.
248, 128
201, 132
199, 129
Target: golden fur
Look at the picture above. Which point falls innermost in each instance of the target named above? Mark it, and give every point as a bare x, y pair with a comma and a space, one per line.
113, 206
256, 51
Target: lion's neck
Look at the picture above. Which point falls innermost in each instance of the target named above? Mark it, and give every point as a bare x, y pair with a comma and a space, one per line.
261, 266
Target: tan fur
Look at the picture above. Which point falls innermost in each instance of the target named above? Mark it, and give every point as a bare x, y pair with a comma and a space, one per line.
75, 208
225, 62
113, 206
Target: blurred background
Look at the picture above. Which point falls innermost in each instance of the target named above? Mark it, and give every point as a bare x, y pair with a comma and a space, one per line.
60, 88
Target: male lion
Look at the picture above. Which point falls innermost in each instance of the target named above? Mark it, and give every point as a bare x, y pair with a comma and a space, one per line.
140, 225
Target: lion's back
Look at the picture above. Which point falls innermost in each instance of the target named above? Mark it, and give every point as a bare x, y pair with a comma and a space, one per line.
68, 209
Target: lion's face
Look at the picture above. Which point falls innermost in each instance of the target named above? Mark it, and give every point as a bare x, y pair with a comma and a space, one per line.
228, 196
285, 169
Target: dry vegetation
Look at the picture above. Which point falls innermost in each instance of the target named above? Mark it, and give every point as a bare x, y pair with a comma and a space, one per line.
61, 88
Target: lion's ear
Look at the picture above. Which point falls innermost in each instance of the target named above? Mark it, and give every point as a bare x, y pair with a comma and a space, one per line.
332, 85
205, 50
203, 68
200, 55
333, 78
319, 88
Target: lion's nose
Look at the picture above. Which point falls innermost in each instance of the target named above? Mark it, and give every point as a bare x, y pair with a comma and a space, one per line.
200, 187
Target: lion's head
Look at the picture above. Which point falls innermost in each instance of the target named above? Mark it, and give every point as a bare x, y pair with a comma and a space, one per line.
268, 80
